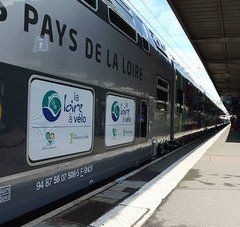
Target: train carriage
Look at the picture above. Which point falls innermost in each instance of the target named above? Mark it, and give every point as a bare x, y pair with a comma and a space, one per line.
86, 88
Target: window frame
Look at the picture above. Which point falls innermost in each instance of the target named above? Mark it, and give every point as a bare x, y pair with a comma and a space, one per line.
146, 38
159, 87
88, 5
147, 124
180, 90
148, 50
180, 105
144, 34
159, 46
111, 7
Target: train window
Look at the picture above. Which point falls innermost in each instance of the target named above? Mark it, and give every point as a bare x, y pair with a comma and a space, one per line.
144, 119
162, 83
91, 3
121, 17
123, 10
160, 47
180, 96
162, 94
146, 45
180, 100
143, 32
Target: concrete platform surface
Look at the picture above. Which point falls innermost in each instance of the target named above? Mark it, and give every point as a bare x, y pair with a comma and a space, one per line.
209, 195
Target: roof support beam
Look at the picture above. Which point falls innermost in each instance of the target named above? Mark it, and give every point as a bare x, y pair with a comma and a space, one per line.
223, 39
223, 32
217, 61
227, 75
222, 67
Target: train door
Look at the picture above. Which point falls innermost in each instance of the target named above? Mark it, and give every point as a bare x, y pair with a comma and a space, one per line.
144, 119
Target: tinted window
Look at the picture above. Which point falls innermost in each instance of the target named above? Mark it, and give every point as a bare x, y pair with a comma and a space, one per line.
141, 28
160, 47
162, 93
162, 83
144, 119
119, 22
146, 45
180, 96
120, 15
91, 3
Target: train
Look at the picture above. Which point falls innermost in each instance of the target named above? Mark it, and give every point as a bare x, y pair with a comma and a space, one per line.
87, 91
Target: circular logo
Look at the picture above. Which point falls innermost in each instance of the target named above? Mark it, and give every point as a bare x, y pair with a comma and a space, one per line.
115, 111
51, 106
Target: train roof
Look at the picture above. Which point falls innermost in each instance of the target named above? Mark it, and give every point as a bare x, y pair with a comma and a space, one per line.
160, 47
135, 24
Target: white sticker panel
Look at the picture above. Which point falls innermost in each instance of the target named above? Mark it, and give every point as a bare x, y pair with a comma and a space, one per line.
5, 194
120, 120
60, 120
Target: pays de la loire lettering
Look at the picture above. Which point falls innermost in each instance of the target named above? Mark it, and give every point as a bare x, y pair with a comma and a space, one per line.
60, 33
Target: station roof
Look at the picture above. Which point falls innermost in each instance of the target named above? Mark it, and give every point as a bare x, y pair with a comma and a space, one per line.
213, 27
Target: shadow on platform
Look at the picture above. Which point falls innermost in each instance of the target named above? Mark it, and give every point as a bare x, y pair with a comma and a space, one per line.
233, 136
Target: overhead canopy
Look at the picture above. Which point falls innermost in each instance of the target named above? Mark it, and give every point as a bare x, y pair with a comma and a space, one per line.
213, 27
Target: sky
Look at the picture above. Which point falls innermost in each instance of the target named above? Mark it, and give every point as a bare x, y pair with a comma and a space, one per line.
161, 18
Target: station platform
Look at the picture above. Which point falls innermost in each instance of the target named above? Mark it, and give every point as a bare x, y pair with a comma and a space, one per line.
195, 185
209, 195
